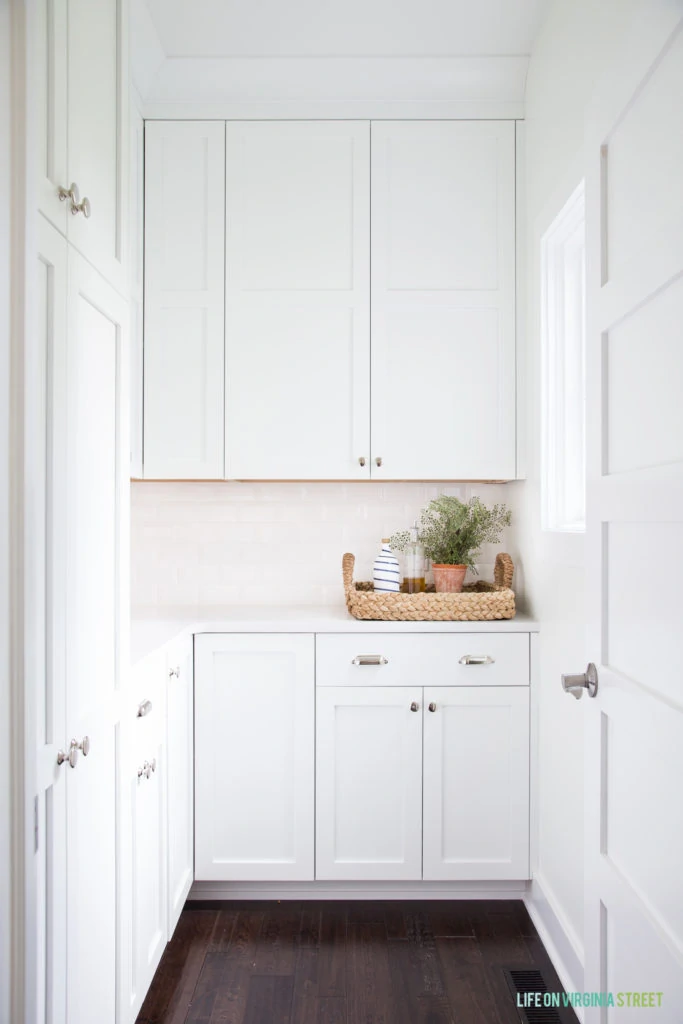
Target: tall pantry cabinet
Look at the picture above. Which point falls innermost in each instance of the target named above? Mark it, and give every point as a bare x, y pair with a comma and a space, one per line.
336, 301
78, 442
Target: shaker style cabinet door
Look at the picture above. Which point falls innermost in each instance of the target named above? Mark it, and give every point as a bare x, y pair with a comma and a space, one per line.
48, 63
369, 783
180, 777
254, 757
476, 783
297, 302
184, 289
443, 300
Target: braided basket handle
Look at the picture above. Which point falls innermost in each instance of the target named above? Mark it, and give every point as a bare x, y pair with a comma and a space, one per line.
348, 562
503, 571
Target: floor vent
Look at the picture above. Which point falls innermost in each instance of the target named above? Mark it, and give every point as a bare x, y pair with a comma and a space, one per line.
523, 982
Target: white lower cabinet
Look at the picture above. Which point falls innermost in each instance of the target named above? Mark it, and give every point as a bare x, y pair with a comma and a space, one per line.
476, 782
254, 757
180, 776
369, 782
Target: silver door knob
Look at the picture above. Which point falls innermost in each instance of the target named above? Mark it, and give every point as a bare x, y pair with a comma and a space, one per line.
432, 706
588, 680
76, 205
361, 460
378, 461
414, 706
144, 708
84, 745
174, 672
70, 757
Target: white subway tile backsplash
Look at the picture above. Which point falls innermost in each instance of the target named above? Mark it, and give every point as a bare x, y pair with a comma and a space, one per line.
211, 544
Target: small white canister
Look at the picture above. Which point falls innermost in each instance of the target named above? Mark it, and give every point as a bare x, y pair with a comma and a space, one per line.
386, 574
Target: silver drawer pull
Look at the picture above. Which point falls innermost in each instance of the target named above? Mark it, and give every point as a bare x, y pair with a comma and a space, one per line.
370, 659
477, 659
144, 708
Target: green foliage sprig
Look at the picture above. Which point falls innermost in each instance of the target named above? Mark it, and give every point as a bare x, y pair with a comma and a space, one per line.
452, 531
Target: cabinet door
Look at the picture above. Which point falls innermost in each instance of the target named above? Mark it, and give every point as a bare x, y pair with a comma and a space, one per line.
368, 783
476, 783
180, 778
96, 472
184, 294
148, 831
97, 136
254, 757
297, 300
47, 32
443, 311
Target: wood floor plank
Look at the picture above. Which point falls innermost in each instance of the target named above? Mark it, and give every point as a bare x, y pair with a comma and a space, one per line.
500, 939
394, 921
269, 1000
450, 919
231, 1000
310, 926
418, 991
330, 1011
370, 999
223, 931
467, 983
332, 960
278, 942
208, 986
305, 997
176, 977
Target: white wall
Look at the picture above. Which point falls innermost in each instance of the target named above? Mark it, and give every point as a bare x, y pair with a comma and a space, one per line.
207, 544
576, 44
5, 817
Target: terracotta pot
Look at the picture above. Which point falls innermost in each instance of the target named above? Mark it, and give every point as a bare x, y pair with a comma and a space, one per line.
448, 579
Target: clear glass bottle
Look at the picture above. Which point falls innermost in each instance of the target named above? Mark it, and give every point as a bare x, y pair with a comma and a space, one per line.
414, 565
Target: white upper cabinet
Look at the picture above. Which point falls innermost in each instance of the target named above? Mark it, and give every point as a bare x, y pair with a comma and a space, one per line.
81, 110
443, 300
184, 293
297, 300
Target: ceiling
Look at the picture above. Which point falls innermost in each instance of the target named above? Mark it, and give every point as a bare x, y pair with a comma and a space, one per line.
343, 28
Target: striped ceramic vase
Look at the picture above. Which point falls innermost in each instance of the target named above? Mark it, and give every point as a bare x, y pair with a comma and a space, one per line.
386, 574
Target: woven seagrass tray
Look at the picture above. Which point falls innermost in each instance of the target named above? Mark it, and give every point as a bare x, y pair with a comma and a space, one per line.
477, 601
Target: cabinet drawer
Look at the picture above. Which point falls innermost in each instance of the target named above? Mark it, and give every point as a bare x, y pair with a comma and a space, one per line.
454, 659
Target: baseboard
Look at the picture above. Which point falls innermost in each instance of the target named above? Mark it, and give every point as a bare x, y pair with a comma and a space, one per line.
562, 944
358, 890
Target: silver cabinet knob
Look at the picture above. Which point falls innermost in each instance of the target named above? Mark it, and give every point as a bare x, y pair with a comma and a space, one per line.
71, 757
477, 659
576, 684
75, 204
147, 768
174, 673
432, 706
378, 461
414, 706
144, 709
370, 659
361, 460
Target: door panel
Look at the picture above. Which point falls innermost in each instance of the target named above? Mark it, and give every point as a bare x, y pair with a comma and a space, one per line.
297, 300
254, 757
98, 133
184, 299
368, 783
180, 775
48, 35
634, 726
476, 783
443, 299
96, 468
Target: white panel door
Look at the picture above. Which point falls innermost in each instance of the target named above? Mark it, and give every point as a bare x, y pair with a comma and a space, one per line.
97, 136
254, 757
443, 300
47, 669
96, 470
369, 783
297, 300
47, 32
476, 782
180, 777
184, 298
634, 726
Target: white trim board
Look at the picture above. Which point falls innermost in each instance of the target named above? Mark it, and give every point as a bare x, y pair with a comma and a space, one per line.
358, 890
561, 942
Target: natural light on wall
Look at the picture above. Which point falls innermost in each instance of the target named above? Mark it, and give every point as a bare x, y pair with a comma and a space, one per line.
563, 298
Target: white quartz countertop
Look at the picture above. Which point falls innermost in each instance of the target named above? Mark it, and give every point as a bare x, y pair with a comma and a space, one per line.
149, 632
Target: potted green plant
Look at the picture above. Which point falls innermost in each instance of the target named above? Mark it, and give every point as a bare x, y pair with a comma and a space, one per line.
452, 533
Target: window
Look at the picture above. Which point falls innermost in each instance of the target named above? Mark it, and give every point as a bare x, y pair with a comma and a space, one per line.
563, 400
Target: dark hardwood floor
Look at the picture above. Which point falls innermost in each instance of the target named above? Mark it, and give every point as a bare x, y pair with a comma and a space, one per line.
408, 962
